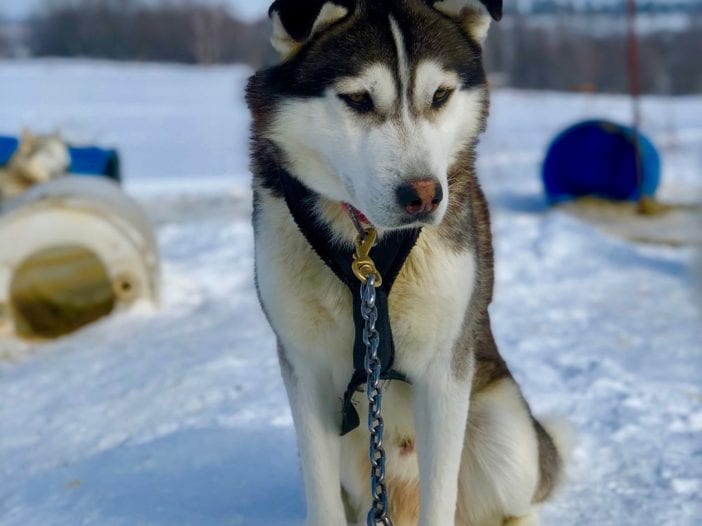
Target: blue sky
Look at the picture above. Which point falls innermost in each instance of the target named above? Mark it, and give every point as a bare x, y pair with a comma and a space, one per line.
246, 8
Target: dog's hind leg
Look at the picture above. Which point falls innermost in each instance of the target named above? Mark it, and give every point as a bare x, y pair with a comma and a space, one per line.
500, 475
315, 415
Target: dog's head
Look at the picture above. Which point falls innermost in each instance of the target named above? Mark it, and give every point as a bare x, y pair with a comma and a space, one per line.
374, 100
40, 158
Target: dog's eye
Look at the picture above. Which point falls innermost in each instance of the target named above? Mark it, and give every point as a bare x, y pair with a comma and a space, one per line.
360, 102
441, 96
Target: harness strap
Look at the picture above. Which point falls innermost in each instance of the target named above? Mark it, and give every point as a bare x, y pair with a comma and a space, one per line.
389, 256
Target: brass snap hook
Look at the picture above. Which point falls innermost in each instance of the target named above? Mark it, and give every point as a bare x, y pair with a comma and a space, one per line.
363, 266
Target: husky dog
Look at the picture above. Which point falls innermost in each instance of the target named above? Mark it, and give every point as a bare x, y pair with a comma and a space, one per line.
38, 159
376, 106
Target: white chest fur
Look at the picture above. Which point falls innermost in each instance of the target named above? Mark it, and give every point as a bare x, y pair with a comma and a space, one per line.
310, 309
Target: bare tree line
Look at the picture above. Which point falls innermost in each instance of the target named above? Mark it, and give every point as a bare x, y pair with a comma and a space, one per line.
157, 31
559, 52
5, 48
564, 55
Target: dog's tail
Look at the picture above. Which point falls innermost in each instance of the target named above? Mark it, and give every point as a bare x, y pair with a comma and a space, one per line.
556, 438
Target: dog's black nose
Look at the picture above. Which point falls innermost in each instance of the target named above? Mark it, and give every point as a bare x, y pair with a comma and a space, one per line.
420, 197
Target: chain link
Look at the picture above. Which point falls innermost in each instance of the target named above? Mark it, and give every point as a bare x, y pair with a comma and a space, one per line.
378, 513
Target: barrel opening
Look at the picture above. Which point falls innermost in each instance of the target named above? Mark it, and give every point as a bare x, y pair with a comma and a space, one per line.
58, 290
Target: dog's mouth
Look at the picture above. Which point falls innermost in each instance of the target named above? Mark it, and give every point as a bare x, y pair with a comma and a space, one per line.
401, 222
359, 218
418, 202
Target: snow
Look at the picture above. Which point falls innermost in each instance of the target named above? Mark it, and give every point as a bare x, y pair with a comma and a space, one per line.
177, 415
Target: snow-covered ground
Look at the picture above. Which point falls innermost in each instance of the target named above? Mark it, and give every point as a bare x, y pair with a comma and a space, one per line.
178, 416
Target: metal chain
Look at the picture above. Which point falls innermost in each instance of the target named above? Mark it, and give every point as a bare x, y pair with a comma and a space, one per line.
378, 513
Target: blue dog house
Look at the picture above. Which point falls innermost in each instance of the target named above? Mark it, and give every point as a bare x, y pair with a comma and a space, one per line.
84, 160
598, 158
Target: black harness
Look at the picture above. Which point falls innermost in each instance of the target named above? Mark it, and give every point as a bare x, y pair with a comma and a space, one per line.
389, 256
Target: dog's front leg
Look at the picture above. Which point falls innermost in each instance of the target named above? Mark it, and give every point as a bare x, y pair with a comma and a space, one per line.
441, 399
315, 412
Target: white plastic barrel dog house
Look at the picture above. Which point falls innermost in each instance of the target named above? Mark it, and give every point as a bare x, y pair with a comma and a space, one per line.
72, 251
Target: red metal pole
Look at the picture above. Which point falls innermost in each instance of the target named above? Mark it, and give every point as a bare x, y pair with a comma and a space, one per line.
634, 67
634, 63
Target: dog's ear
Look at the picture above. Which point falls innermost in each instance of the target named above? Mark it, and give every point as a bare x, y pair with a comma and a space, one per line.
296, 21
473, 15
27, 141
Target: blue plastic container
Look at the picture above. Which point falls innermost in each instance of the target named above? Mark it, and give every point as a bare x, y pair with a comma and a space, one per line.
84, 160
598, 158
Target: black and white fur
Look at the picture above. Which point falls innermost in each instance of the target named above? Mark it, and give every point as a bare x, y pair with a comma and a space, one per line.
38, 159
369, 95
